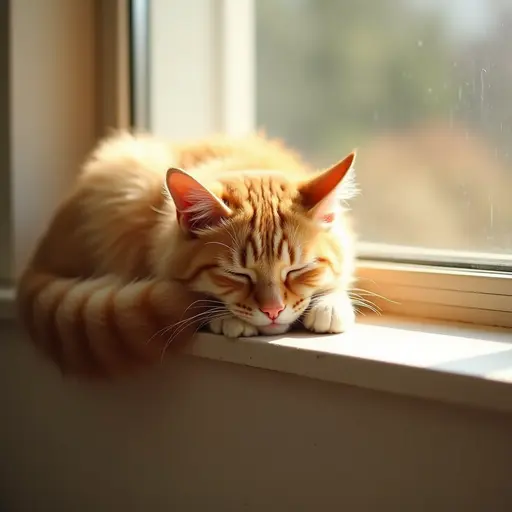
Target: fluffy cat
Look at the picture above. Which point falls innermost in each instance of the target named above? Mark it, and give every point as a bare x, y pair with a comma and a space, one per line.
156, 240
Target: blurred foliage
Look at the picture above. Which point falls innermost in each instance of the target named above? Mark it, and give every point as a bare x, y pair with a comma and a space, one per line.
345, 68
427, 104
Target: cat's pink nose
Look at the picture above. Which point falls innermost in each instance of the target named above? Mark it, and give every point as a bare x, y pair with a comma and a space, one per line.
272, 311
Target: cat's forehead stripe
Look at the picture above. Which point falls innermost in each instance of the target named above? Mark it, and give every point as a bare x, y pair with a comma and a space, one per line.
268, 240
264, 196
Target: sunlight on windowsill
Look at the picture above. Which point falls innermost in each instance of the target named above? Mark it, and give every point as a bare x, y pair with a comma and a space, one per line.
457, 363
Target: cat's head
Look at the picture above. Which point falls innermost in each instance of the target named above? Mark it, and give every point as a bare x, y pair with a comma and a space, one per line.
264, 243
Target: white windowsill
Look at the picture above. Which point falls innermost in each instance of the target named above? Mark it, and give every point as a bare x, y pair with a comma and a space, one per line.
455, 363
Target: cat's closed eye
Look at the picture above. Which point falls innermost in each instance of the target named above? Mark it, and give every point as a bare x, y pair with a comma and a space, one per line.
242, 276
294, 272
308, 276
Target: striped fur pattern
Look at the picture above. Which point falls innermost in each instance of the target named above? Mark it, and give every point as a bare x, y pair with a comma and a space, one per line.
158, 239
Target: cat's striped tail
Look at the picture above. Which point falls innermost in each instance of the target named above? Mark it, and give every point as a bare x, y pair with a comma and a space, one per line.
103, 327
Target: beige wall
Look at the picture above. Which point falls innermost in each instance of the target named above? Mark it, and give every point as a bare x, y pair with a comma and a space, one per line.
5, 156
52, 110
201, 435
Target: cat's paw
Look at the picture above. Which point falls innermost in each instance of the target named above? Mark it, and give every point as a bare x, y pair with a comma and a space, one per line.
333, 313
233, 327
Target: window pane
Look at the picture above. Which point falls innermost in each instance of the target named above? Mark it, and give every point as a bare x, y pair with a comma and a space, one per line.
421, 87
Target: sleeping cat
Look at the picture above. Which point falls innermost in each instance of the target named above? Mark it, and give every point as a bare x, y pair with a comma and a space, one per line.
157, 240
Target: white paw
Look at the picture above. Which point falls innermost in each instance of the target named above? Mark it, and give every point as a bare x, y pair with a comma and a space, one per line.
330, 314
233, 327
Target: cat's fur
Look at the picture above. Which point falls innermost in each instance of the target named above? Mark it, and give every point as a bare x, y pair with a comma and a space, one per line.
245, 240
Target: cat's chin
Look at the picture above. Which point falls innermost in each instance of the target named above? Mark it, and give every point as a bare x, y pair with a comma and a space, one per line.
274, 329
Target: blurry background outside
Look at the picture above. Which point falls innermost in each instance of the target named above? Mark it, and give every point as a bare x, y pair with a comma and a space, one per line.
422, 87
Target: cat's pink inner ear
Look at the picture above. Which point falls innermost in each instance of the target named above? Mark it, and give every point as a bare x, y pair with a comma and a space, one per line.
196, 206
327, 210
319, 195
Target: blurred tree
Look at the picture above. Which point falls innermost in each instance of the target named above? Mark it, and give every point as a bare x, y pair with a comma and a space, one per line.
420, 87
331, 73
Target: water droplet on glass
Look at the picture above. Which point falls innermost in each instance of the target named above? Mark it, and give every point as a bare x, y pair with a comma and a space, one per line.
419, 43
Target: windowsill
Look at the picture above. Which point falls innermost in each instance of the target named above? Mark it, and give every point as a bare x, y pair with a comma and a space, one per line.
455, 363
450, 362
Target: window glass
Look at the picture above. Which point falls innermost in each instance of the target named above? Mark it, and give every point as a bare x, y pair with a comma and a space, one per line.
423, 88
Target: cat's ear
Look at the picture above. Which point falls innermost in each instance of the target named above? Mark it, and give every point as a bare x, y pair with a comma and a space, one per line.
196, 206
321, 196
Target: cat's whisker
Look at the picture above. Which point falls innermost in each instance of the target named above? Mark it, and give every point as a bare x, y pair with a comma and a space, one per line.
371, 307
185, 326
208, 320
359, 278
178, 324
359, 296
300, 320
198, 307
207, 301
359, 311
202, 313
200, 322
373, 294
200, 316
219, 243
367, 302
158, 333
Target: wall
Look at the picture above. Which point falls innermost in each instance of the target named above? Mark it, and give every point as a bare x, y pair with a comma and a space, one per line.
198, 435
5, 156
52, 110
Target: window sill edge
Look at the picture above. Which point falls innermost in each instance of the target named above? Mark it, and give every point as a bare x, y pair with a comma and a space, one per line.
446, 362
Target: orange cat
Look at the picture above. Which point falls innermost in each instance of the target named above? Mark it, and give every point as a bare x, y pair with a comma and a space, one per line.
142, 253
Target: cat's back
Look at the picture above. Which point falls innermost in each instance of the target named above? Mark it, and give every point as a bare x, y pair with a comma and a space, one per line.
127, 166
131, 166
